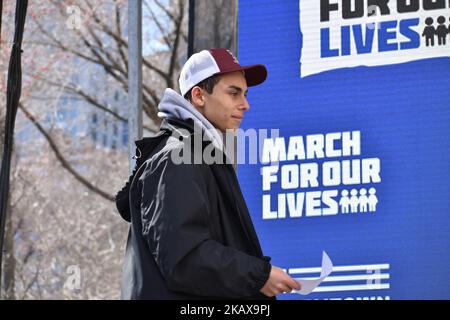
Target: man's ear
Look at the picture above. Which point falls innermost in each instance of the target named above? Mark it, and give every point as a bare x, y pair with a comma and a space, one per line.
197, 97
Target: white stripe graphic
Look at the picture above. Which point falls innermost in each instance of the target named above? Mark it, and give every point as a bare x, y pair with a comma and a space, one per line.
352, 278
370, 277
353, 288
361, 267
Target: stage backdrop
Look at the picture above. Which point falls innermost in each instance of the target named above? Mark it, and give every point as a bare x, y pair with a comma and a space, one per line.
361, 164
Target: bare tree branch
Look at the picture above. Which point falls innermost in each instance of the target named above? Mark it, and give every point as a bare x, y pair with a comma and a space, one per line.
109, 66
84, 96
66, 165
120, 46
33, 281
158, 24
163, 8
176, 43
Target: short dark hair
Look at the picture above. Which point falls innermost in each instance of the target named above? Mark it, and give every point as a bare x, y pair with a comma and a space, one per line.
208, 84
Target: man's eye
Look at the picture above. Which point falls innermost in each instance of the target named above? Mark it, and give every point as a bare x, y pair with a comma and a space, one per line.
233, 93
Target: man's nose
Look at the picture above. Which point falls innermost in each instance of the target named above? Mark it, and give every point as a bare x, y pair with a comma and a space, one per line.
245, 105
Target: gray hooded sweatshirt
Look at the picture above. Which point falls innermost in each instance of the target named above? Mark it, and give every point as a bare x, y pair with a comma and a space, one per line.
173, 105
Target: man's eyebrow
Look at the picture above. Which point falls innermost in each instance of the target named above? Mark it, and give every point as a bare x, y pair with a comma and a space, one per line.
237, 88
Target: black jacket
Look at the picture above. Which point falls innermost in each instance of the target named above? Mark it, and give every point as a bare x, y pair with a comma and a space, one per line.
191, 235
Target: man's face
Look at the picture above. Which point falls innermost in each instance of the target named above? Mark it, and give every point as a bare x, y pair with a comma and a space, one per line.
226, 105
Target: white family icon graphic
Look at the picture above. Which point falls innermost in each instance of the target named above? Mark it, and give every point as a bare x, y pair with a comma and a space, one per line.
358, 203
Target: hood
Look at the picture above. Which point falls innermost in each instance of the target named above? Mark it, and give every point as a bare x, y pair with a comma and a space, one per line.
173, 105
144, 148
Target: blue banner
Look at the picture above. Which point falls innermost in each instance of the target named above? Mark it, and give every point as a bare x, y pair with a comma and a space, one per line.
361, 165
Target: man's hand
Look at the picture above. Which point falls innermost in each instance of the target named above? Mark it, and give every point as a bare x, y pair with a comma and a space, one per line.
279, 282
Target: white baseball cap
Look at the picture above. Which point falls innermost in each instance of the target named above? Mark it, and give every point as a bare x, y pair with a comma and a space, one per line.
207, 63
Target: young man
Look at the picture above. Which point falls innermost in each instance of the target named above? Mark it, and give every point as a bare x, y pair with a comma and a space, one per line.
191, 235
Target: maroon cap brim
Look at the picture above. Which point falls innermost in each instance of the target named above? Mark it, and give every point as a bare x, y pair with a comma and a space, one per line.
255, 74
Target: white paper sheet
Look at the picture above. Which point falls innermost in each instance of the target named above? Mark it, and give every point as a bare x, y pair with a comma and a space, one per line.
308, 285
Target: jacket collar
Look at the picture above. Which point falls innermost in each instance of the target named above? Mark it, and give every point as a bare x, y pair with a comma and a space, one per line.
174, 124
